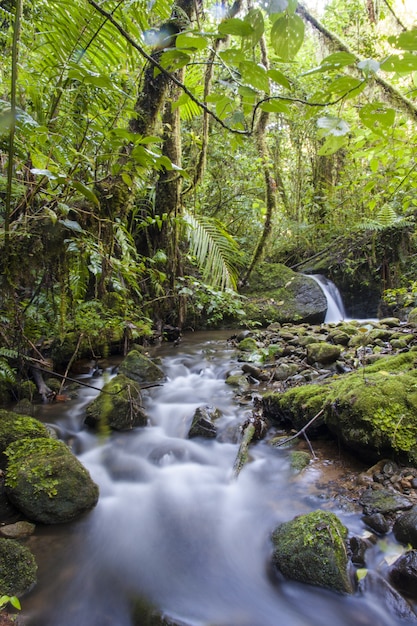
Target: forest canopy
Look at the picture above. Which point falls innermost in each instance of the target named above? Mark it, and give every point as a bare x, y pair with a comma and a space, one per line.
153, 153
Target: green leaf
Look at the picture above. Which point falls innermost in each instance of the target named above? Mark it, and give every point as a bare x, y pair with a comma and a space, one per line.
361, 573
346, 86
405, 41
173, 60
333, 126
279, 78
191, 41
72, 225
332, 145
333, 62
235, 26
255, 19
232, 56
406, 62
275, 106
377, 116
287, 36
85, 191
255, 75
273, 7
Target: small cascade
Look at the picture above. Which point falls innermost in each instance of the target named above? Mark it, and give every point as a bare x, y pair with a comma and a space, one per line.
335, 308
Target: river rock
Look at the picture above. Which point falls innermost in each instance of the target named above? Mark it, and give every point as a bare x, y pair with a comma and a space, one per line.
118, 406
322, 352
311, 549
203, 422
18, 568
383, 501
386, 596
403, 573
139, 367
18, 530
47, 483
405, 527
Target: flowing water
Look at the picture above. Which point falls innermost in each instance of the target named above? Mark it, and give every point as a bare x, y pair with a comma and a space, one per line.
335, 307
174, 526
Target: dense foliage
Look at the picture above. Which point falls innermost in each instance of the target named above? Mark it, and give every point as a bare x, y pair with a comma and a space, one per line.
152, 154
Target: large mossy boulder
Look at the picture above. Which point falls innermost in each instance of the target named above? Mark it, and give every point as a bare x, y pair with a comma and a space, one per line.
17, 568
140, 368
373, 411
14, 426
278, 294
311, 549
46, 482
118, 406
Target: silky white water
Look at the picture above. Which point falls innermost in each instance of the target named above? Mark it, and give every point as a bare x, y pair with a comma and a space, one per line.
172, 524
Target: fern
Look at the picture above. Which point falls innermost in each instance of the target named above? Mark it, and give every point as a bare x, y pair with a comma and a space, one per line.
7, 374
385, 218
215, 251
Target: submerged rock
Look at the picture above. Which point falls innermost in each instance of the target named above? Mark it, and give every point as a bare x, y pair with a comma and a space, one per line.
311, 549
47, 483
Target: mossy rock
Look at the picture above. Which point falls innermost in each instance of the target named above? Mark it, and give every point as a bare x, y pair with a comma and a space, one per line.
14, 426
46, 482
322, 352
18, 568
118, 406
248, 344
278, 294
311, 549
140, 368
297, 406
299, 460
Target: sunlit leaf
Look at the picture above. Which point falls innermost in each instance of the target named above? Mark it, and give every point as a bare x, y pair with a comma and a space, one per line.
405, 41
332, 144
232, 56
235, 26
287, 36
255, 75
275, 106
173, 60
255, 19
377, 116
279, 78
333, 62
191, 41
406, 62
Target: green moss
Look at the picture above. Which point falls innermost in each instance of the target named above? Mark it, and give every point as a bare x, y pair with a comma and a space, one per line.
41, 474
247, 345
299, 460
17, 568
14, 426
297, 405
311, 549
118, 406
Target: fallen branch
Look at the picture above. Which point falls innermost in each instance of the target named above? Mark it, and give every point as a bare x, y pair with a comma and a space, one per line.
302, 431
242, 455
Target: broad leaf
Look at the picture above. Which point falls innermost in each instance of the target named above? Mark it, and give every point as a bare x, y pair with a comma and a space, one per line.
332, 145
406, 62
232, 56
254, 75
274, 6
275, 106
255, 19
377, 116
333, 62
279, 78
346, 86
235, 26
405, 41
173, 60
287, 35
85, 191
191, 41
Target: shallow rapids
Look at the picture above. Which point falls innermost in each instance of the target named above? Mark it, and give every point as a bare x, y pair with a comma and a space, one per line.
174, 527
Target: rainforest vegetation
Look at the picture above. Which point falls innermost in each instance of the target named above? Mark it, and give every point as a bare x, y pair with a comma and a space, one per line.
153, 153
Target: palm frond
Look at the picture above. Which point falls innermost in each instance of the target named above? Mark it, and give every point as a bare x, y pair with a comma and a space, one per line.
215, 251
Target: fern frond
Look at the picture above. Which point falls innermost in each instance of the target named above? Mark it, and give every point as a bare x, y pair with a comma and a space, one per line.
7, 374
215, 251
385, 218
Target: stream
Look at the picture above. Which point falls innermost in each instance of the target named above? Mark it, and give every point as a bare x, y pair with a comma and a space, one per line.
173, 526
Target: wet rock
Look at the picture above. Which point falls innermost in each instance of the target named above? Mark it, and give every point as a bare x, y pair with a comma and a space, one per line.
202, 424
118, 406
403, 574
377, 522
248, 344
299, 460
405, 527
18, 568
18, 530
387, 597
383, 501
47, 483
140, 368
358, 547
311, 549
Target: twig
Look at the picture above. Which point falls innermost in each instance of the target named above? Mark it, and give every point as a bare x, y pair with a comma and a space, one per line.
70, 362
302, 431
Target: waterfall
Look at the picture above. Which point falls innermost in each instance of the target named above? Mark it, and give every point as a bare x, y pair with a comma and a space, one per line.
335, 308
